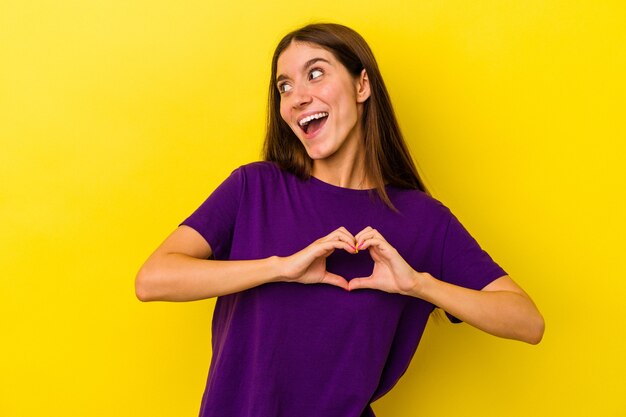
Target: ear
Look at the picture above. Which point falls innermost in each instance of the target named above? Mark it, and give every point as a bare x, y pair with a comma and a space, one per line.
362, 87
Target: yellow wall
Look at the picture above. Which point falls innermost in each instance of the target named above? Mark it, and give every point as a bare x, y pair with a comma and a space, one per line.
118, 118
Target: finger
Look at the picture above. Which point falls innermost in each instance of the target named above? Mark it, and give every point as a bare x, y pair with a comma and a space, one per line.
363, 238
367, 234
359, 236
345, 232
381, 245
347, 238
328, 247
340, 234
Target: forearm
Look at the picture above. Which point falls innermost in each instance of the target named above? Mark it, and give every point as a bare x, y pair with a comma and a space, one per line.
507, 314
179, 277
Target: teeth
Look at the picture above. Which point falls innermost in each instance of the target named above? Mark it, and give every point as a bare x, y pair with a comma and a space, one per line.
307, 119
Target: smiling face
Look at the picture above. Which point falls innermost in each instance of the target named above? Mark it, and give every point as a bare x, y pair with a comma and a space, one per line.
321, 101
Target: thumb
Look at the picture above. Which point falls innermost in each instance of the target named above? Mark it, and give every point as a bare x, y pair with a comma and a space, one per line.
334, 279
360, 283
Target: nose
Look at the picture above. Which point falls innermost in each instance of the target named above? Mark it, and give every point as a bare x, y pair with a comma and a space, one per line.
301, 96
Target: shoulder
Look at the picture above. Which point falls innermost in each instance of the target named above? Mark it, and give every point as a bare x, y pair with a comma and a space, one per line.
264, 176
420, 212
417, 202
261, 170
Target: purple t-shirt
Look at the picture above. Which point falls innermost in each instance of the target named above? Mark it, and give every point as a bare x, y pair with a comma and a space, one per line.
288, 349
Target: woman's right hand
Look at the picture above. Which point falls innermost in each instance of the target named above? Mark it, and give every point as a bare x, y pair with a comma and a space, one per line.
308, 266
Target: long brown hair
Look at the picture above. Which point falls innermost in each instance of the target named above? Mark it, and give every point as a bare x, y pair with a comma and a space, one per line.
387, 158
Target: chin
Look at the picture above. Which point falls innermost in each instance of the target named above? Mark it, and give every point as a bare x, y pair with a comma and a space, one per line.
317, 154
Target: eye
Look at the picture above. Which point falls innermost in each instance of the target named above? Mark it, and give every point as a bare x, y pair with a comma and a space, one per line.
315, 73
283, 88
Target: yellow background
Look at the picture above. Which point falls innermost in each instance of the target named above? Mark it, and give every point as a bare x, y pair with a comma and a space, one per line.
118, 118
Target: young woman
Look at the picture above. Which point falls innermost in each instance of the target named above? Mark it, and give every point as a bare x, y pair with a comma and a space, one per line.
338, 205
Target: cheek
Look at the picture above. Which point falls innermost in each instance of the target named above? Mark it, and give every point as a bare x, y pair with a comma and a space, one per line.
342, 98
284, 114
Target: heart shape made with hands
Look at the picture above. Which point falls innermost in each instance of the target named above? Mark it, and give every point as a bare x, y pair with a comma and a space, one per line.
390, 273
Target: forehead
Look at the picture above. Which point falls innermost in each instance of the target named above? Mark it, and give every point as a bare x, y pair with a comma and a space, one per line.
298, 54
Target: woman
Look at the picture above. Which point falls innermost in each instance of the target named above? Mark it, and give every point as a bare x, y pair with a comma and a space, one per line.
338, 204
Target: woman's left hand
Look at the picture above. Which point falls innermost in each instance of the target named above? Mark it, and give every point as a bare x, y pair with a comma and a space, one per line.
391, 272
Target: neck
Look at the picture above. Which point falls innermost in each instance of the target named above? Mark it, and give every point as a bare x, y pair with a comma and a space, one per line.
345, 172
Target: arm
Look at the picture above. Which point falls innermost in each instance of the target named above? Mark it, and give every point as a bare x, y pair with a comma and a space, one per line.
179, 269
502, 308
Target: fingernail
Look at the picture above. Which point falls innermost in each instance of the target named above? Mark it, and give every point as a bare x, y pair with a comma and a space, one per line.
353, 248
359, 247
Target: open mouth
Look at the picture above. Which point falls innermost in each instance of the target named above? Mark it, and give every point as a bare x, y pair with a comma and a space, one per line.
311, 124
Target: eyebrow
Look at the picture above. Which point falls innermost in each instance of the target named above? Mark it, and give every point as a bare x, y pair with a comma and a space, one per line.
307, 64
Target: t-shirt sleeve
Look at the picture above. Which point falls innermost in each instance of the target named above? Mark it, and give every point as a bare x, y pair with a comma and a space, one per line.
464, 262
215, 218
